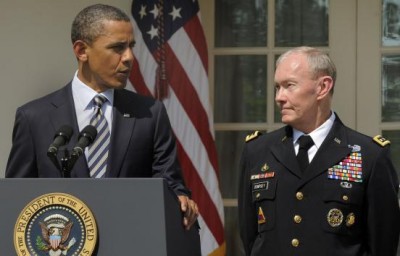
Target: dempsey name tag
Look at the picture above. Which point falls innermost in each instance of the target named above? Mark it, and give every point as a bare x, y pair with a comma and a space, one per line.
261, 185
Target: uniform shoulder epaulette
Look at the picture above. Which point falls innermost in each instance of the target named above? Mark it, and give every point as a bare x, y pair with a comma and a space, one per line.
381, 140
253, 136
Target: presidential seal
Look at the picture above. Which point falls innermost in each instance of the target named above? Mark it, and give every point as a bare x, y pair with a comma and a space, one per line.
55, 224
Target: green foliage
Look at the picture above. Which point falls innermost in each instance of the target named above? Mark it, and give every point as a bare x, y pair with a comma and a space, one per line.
40, 244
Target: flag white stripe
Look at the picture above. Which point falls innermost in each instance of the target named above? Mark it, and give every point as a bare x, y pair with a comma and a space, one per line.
129, 86
148, 65
193, 67
194, 148
208, 242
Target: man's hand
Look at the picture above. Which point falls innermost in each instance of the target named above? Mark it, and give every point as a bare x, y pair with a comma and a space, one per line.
190, 211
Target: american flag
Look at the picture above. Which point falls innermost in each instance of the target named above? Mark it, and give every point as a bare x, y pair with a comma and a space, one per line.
171, 64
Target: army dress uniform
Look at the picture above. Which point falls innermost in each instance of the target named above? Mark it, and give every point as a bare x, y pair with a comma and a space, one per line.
344, 204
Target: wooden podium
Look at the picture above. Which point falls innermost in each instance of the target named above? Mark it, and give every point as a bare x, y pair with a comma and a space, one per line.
134, 216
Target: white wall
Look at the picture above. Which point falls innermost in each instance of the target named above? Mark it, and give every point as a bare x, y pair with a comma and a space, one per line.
35, 54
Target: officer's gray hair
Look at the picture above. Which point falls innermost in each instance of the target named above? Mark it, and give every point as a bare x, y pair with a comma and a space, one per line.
319, 62
88, 25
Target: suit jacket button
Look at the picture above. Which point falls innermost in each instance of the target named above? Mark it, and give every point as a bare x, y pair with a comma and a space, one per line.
297, 218
295, 242
299, 195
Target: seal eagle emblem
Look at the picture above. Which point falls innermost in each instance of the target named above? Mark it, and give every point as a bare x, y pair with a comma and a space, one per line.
55, 224
55, 232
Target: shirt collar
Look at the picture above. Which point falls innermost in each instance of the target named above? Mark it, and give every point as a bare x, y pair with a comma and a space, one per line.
84, 95
319, 134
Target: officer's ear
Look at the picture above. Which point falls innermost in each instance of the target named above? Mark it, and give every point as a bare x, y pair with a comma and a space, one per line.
325, 86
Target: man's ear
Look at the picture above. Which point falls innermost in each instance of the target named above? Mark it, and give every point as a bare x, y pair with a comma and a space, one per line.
325, 86
80, 49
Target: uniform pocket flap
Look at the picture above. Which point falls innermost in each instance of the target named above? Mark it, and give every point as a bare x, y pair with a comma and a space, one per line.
344, 192
264, 189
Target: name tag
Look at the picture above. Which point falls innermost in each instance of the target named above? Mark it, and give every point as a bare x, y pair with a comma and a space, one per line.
260, 185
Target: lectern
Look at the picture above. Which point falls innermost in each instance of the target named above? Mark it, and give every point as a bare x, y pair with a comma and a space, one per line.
134, 216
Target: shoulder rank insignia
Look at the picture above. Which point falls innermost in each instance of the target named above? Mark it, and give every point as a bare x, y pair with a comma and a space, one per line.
252, 136
381, 140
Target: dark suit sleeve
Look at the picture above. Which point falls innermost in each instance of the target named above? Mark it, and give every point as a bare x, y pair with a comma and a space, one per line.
383, 214
247, 217
22, 159
165, 161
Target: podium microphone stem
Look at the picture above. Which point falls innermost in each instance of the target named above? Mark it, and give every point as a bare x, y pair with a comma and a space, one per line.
65, 166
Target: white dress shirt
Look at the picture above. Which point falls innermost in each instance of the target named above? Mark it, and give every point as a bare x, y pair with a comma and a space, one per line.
84, 108
318, 136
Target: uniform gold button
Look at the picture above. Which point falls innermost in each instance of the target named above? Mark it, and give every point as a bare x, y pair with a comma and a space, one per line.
258, 195
350, 219
297, 218
295, 242
299, 196
345, 197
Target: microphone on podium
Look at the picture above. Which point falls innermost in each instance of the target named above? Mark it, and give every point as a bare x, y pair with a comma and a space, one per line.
85, 138
61, 138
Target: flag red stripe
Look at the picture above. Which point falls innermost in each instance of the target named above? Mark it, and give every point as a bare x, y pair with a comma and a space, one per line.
200, 195
190, 101
195, 32
137, 80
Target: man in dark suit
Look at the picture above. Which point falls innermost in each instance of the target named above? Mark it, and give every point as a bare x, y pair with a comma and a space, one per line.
140, 142
338, 196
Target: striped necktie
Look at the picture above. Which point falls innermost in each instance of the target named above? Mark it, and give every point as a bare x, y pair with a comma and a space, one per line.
98, 151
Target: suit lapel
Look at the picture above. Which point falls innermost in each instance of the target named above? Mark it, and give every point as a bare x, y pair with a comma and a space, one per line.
333, 150
284, 152
123, 123
64, 114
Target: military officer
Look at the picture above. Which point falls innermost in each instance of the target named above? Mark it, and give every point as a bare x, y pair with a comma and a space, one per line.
342, 201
